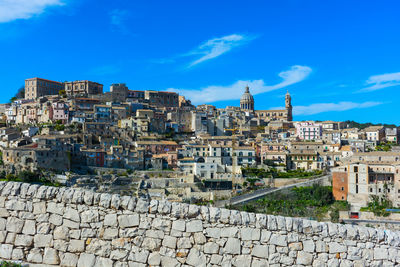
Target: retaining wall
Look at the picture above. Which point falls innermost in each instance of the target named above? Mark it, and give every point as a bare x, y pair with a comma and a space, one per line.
48, 226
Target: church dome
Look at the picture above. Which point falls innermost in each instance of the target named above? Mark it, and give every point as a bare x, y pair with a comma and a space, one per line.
247, 100
247, 96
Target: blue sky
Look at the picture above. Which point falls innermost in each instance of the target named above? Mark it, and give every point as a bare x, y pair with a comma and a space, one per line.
338, 59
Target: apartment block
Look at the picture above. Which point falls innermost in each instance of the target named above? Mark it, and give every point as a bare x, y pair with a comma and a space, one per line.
308, 130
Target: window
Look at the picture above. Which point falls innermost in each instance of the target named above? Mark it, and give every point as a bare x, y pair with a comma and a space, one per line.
342, 188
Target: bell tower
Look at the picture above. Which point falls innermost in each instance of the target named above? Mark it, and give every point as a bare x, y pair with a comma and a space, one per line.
288, 106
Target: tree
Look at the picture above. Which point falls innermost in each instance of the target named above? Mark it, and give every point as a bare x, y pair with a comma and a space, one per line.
62, 93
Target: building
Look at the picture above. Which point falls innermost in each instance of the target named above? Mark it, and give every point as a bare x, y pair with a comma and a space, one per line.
247, 101
162, 99
59, 111
119, 91
392, 135
37, 87
278, 115
340, 183
308, 130
83, 88
375, 133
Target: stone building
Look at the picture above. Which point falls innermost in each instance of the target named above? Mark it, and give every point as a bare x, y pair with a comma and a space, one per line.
162, 99
37, 87
278, 115
247, 101
84, 87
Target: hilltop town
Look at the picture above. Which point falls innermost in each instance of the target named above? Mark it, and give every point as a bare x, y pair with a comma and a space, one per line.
157, 145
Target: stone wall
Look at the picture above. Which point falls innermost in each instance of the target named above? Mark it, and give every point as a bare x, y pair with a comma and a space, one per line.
46, 226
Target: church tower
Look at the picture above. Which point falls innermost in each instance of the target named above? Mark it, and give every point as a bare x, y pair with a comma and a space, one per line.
247, 101
288, 106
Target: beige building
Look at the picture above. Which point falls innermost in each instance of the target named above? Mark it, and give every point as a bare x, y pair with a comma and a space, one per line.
278, 115
37, 87
162, 99
83, 88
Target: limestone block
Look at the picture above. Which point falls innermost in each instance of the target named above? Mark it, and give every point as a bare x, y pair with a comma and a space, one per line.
29, 227
61, 232
89, 216
169, 242
76, 246
153, 206
51, 256
86, 260
23, 240
15, 205
194, 226
260, 251
169, 262
17, 254
211, 248
110, 233
69, 260
179, 225
43, 228
139, 255
118, 254
105, 200
248, 234
56, 208
5, 251
232, 246
126, 221
184, 242
115, 201
304, 258
154, 259
35, 256
99, 247
88, 197
72, 214
155, 234
279, 240
39, 207
380, 254
213, 232
14, 225
142, 206
56, 219
242, 261
41, 241
110, 220
151, 243
199, 238
196, 258
308, 246
335, 247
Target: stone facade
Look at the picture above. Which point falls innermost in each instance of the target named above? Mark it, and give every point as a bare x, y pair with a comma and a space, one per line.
47, 226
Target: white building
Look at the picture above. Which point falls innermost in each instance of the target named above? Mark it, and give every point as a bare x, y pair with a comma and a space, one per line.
308, 130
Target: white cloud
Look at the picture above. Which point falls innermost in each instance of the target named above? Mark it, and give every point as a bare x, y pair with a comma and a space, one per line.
377, 82
24, 9
326, 107
218, 46
118, 18
215, 93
